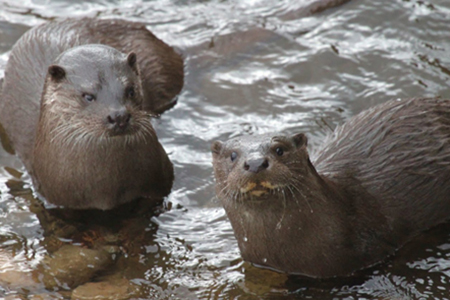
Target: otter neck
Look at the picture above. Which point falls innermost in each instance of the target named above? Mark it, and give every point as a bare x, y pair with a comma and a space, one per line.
291, 231
312, 198
88, 170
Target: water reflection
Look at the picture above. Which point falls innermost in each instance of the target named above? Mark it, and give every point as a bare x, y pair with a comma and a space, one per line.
251, 67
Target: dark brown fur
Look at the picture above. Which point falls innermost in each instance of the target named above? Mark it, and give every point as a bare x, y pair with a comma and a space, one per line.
76, 152
379, 180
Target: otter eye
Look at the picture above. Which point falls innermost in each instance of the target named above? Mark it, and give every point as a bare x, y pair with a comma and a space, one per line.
88, 97
279, 151
130, 92
233, 156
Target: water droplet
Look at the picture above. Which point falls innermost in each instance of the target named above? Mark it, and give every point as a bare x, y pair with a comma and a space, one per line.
245, 239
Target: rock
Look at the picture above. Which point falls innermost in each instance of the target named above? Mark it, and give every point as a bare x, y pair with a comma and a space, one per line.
115, 289
12, 274
72, 266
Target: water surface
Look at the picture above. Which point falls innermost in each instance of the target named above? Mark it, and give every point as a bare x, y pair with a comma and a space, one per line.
252, 66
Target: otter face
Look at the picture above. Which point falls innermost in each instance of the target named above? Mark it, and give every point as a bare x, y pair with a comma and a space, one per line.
254, 167
95, 91
95, 147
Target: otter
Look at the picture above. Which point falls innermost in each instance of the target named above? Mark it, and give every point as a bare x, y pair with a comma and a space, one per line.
162, 68
379, 180
78, 111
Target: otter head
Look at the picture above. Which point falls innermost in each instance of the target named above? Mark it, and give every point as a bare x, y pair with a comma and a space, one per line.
254, 167
95, 147
95, 89
284, 215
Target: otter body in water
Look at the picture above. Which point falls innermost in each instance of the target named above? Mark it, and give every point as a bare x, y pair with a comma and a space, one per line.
78, 114
379, 180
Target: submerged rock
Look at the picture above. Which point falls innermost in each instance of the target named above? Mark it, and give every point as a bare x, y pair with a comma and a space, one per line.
115, 289
12, 274
72, 266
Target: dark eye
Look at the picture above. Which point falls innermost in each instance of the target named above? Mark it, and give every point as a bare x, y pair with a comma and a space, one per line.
88, 97
130, 92
279, 151
233, 156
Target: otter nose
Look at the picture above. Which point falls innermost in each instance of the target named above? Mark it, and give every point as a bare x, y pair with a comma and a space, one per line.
119, 119
256, 165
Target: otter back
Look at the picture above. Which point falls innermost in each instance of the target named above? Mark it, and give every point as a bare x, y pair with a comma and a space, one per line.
161, 68
77, 115
379, 180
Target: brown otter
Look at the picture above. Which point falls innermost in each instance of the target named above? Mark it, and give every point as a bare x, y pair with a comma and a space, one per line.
379, 180
77, 115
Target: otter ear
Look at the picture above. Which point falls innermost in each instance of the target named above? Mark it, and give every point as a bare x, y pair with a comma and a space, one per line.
300, 140
132, 61
57, 72
216, 147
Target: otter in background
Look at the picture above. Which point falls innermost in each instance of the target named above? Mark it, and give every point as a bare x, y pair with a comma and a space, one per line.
381, 178
77, 99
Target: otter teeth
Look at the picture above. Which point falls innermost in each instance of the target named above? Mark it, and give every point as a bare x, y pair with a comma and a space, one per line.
268, 185
258, 193
248, 187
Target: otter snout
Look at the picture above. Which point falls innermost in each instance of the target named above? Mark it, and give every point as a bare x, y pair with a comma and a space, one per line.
118, 120
256, 165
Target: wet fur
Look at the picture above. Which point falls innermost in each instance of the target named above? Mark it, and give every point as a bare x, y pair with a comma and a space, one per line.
66, 144
379, 180
161, 68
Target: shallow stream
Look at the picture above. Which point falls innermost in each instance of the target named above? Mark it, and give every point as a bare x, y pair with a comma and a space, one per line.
252, 66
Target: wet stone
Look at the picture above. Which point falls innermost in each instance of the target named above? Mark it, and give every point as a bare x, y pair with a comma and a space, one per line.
13, 279
15, 297
262, 282
111, 249
11, 276
72, 266
114, 289
55, 296
46, 297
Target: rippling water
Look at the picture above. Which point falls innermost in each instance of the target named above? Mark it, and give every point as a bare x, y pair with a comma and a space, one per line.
252, 66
